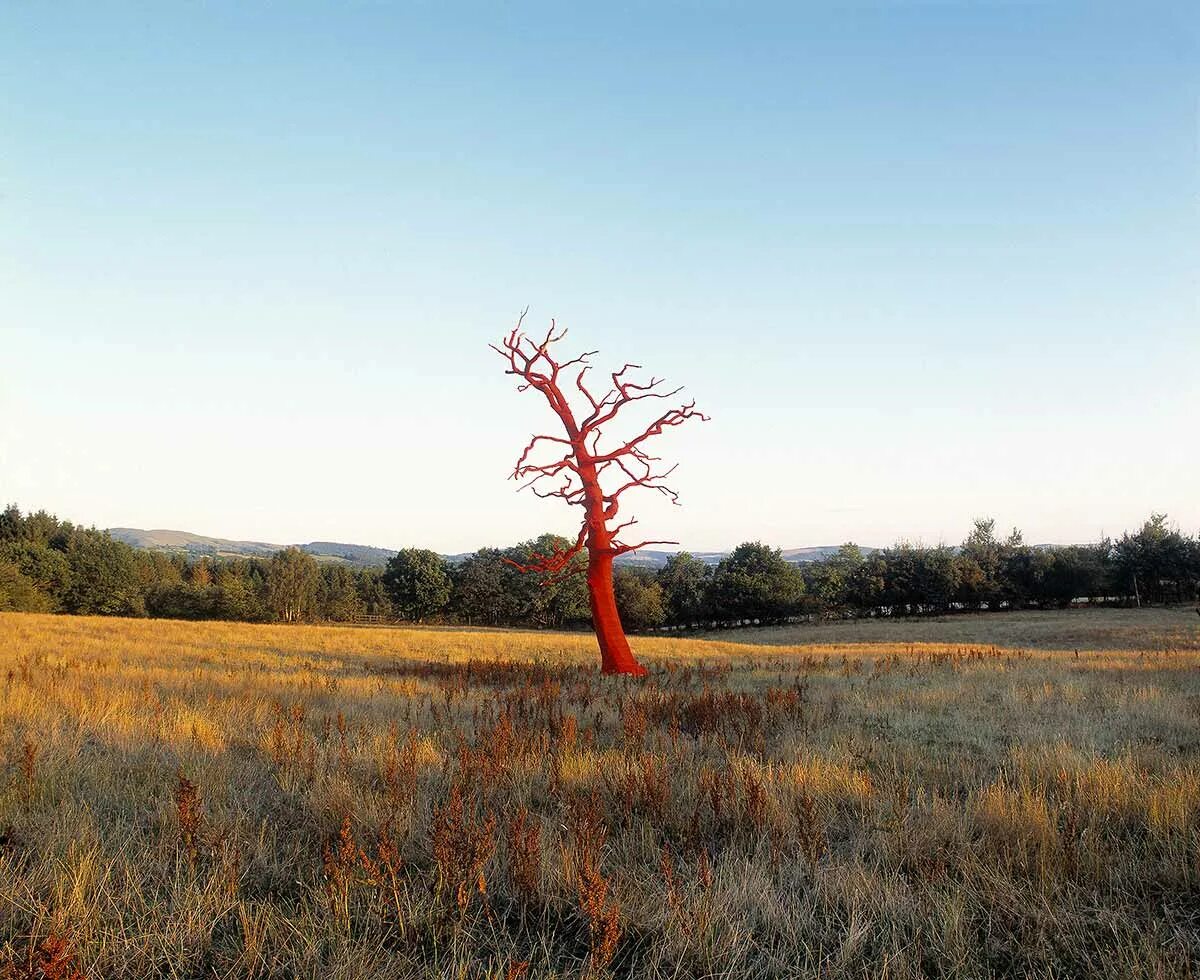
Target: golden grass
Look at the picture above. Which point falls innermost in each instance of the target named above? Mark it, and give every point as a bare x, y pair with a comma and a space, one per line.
231, 800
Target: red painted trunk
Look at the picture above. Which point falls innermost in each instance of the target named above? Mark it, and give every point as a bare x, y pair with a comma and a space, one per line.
615, 655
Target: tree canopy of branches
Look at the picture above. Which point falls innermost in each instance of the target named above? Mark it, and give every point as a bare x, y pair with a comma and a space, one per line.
583, 468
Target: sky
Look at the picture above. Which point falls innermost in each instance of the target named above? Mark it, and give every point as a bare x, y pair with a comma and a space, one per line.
920, 262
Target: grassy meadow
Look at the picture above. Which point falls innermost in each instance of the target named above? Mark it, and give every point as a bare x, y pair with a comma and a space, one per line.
859, 800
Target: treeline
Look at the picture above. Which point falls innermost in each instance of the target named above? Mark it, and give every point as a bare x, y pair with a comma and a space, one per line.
49, 565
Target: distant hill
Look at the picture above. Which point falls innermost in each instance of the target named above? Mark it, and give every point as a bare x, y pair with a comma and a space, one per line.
797, 556
199, 545
819, 553
656, 559
365, 556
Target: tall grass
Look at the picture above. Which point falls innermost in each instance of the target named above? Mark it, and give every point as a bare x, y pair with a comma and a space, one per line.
228, 800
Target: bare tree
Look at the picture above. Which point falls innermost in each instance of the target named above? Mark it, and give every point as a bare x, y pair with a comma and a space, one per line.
587, 475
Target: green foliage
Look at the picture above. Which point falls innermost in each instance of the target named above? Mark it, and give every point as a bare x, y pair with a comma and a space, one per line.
292, 585
981, 566
557, 602
372, 594
831, 584
19, 593
756, 582
1158, 563
486, 589
919, 579
180, 600
640, 600
52, 565
418, 583
685, 582
337, 594
104, 577
12, 524
242, 591
47, 568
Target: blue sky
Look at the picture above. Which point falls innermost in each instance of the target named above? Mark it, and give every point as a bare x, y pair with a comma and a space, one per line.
921, 262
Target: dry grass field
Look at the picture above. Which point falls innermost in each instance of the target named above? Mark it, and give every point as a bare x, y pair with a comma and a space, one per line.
219, 800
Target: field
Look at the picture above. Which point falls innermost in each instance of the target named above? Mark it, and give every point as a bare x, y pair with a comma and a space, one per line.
230, 800
1176, 628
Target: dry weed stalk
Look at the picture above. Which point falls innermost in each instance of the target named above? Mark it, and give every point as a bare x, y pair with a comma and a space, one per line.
189, 815
810, 832
462, 846
27, 765
601, 913
340, 860
53, 958
524, 846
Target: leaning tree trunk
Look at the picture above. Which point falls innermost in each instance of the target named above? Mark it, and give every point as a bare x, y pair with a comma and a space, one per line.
615, 655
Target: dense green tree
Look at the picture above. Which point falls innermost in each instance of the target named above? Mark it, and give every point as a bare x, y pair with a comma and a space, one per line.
565, 601
182, 600
12, 524
558, 601
640, 600
981, 567
919, 579
1157, 563
54, 565
418, 583
1070, 573
1018, 574
47, 568
865, 585
685, 581
104, 577
372, 594
756, 582
157, 569
337, 594
242, 591
292, 585
829, 583
45, 529
485, 589
19, 593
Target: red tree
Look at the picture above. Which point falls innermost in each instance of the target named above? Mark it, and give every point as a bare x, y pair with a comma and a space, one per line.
584, 470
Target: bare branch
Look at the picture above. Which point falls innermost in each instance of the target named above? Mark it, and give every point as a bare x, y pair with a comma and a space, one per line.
556, 564
624, 549
676, 416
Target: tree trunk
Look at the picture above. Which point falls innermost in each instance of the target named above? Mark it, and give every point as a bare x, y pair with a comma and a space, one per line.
615, 655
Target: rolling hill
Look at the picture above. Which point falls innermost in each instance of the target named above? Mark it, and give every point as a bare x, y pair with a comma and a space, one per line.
198, 545
365, 556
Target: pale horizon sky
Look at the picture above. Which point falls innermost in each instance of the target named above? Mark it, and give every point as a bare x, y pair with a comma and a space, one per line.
921, 262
